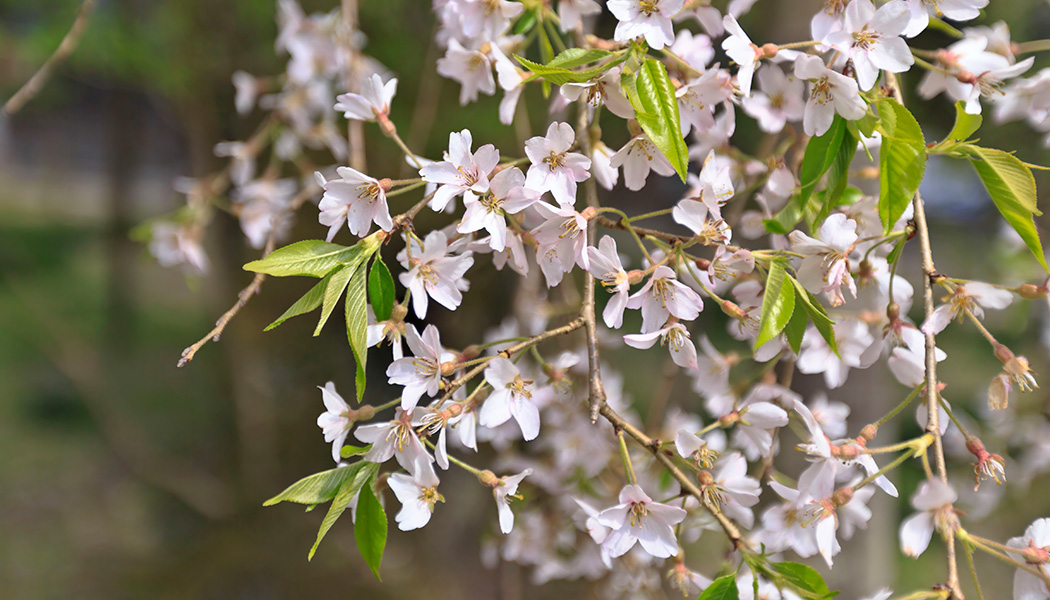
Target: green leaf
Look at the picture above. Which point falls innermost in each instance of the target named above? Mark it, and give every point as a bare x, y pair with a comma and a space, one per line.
816, 313
1012, 187
965, 125
560, 75
312, 258
308, 303
577, 57
723, 588
778, 304
370, 529
785, 220
357, 325
314, 489
365, 473
350, 451
381, 290
821, 152
796, 328
902, 161
525, 23
337, 282
656, 109
804, 578
838, 176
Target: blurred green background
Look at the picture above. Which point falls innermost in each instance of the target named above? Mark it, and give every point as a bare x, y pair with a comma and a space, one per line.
124, 477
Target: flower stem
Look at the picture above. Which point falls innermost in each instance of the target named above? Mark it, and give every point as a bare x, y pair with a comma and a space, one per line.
897, 409
628, 467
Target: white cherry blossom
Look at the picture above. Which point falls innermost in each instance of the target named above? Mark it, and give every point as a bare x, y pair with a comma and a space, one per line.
933, 500
662, 297
871, 38
973, 297
830, 92
461, 170
675, 337
356, 199
335, 421
471, 68
504, 489
554, 169
778, 101
511, 397
919, 12
373, 103
825, 267
649, 18
604, 264
1035, 543
744, 53
637, 519
418, 494
507, 195
571, 12
637, 157
396, 439
421, 372
436, 275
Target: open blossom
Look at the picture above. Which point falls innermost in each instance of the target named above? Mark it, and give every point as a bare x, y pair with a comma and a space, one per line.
973, 297
637, 157
989, 71
675, 337
356, 199
506, 195
174, 244
662, 297
778, 101
933, 500
418, 494
571, 12
698, 98
560, 241
554, 169
637, 519
830, 92
461, 170
396, 439
919, 12
604, 264
713, 187
372, 103
511, 397
471, 68
421, 372
649, 18
871, 38
486, 19
825, 267
503, 490
602, 90
744, 53
335, 421
436, 275
1035, 545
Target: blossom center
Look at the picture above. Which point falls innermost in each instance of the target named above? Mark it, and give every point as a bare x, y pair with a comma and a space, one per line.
821, 91
428, 274
866, 39
638, 512
368, 191
492, 203
648, 7
555, 161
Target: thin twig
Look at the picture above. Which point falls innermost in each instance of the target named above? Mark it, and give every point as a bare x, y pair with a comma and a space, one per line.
253, 287
932, 402
65, 48
596, 396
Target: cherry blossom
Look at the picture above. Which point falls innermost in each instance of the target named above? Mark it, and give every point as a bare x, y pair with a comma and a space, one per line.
461, 170
418, 495
511, 397
356, 199
604, 264
830, 92
871, 39
663, 296
637, 157
554, 169
471, 68
507, 195
778, 101
335, 421
649, 18
571, 12
675, 337
744, 53
973, 297
561, 241
436, 275
637, 519
825, 267
1034, 543
503, 490
421, 372
933, 500
373, 103
486, 19
603, 90
394, 439
919, 12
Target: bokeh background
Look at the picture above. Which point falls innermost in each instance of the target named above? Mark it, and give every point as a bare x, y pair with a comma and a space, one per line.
122, 476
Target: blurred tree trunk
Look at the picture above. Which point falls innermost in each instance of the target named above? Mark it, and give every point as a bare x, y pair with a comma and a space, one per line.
124, 126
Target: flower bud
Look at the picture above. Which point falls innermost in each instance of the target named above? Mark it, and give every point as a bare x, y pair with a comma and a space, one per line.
1034, 555
448, 368
634, 276
734, 311
1029, 291
469, 353
966, 77
770, 50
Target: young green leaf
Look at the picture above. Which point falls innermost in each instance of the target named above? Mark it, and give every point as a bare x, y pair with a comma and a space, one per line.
311, 258
576, 57
838, 176
357, 325
804, 578
816, 313
778, 304
370, 529
820, 154
560, 75
653, 97
796, 328
350, 451
1012, 187
723, 588
314, 489
366, 472
902, 161
308, 303
965, 126
381, 290
337, 282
